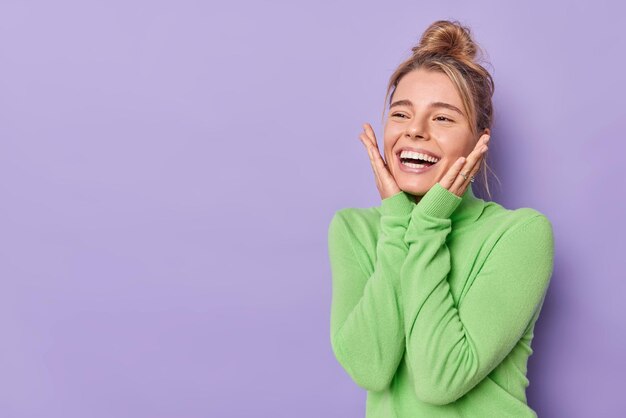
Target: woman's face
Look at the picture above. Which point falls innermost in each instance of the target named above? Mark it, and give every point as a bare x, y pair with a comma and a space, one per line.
420, 120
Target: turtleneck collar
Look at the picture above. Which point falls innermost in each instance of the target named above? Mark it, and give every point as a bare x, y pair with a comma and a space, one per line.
469, 209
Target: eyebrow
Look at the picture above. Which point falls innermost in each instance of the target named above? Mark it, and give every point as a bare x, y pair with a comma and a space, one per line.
406, 102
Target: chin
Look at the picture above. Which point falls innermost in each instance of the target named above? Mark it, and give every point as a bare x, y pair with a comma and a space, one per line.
415, 189
417, 185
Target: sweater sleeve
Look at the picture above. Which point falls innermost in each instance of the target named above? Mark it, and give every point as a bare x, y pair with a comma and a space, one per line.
450, 349
367, 333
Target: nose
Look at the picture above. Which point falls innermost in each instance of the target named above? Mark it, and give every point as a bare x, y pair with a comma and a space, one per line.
416, 130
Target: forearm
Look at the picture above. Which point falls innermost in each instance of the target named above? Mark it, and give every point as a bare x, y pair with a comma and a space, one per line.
367, 324
448, 349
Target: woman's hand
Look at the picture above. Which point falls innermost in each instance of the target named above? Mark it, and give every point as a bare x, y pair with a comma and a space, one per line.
385, 182
453, 180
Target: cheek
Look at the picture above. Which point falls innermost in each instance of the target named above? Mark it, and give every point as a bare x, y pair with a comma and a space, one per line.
390, 138
393, 131
388, 145
456, 148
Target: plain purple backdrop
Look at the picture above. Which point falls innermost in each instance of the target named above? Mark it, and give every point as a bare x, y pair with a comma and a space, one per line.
168, 172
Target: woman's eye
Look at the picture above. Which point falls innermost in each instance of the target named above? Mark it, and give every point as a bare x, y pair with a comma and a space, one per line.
398, 114
445, 118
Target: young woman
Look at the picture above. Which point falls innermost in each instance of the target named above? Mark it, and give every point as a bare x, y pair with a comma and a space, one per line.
436, 292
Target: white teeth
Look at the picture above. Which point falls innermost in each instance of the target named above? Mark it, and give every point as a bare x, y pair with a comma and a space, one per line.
418, 155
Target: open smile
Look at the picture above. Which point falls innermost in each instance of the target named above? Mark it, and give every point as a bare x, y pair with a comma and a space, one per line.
416, 161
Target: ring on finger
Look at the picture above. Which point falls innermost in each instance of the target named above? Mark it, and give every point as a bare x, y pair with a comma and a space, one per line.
465, 176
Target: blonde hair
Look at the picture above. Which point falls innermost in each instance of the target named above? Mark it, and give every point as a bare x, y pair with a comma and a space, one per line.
447, 47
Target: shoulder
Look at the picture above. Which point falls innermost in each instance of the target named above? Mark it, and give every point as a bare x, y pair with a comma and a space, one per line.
503, 221
522, 231
530, 223
532, 228
355, 218
359, 225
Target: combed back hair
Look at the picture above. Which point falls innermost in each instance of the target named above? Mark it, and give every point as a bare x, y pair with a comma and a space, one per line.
447, 47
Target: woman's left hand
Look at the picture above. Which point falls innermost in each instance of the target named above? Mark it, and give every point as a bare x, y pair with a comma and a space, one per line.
453, 180
385, 182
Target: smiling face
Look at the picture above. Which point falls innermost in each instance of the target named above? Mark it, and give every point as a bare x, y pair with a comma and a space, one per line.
422, 118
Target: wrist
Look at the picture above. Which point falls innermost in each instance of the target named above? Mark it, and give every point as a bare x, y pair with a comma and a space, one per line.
400, 203
438, 202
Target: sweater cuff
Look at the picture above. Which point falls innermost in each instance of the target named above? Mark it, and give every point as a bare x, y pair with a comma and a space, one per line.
438, 202
398, 204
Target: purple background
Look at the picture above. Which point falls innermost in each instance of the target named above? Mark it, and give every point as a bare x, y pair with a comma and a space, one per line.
168, 171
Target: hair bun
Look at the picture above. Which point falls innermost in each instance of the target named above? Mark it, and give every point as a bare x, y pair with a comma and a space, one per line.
445, 37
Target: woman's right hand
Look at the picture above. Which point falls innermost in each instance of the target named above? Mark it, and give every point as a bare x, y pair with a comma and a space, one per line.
385, 182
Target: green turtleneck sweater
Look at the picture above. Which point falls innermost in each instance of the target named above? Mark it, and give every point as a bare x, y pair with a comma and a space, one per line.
434, 304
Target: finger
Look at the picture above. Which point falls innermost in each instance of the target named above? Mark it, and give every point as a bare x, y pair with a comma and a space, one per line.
469, 168
372, 158
376, 168
376, 164
483, 140
475, 169
366, 141
370, 132
387, 183
377, 153
380, 163
369, 135
363, 141
448, 180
